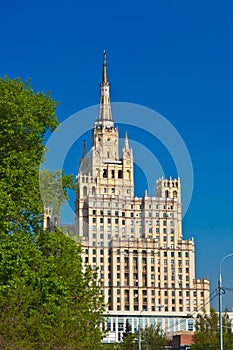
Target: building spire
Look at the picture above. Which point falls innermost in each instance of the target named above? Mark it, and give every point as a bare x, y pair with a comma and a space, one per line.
105, 114
84, 148
104, 76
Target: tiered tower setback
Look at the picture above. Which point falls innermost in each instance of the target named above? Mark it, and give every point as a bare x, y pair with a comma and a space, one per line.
136, 243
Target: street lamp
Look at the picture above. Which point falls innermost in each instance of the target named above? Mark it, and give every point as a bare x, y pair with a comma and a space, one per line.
220, 299
139, 328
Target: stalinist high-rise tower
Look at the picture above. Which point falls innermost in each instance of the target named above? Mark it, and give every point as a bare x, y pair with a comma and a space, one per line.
146, 268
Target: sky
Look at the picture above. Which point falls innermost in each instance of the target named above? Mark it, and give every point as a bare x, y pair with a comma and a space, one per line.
174, 57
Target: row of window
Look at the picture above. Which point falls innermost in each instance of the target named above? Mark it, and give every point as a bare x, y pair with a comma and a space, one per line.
113, 190
132, 214
130, 206
136, 252
163, 301
154, 308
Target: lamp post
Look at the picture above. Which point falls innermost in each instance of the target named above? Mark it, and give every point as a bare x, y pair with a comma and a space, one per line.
139, 328
220, 299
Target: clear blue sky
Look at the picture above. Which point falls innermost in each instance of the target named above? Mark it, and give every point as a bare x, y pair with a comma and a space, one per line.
172, 56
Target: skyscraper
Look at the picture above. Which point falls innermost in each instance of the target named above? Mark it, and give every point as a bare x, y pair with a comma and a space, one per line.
146, 268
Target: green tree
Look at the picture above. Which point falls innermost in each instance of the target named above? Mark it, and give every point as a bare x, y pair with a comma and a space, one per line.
25, 117
128, 329
130, 342
154, 338
53, 188
46, 300
207, 332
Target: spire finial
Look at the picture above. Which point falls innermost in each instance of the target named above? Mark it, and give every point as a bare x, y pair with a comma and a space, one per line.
84, 148
126, 140
105, 77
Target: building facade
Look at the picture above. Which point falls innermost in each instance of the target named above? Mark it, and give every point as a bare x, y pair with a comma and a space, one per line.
146, 268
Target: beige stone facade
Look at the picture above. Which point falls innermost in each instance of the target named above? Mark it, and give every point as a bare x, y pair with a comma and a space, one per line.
136, 243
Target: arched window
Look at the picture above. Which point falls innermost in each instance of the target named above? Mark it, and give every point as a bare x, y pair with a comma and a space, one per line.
93, 190
128, 175
55, 221
174, 194
48, 222
166, 194
105, 174
85, 190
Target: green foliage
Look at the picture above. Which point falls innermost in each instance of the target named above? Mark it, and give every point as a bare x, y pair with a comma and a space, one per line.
154, 337
128, 330
47, 302
207, 332
130, 342
53, 188
25, 117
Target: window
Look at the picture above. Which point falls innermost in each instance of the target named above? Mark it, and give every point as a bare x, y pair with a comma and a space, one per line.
120, 176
